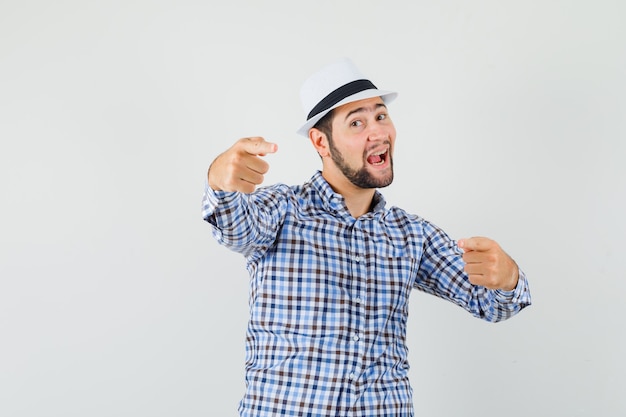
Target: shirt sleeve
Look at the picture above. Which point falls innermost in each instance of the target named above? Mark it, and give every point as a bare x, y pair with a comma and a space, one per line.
245, 223
441, 273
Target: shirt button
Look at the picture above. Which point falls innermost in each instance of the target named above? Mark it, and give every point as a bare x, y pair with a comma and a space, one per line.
356, 337
351, 376
358, 300
357, 259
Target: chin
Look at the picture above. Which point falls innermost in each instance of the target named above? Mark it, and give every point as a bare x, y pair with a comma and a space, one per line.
383, 178
387, 182
374, 180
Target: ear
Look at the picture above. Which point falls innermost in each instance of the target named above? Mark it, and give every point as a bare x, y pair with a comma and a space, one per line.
319, 141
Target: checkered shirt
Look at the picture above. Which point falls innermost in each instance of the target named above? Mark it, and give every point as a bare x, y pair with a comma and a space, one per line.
329, 297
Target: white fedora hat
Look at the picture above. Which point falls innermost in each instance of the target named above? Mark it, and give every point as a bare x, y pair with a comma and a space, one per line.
334, 85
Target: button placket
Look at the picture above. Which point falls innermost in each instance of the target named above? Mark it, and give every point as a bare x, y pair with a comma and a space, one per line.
359, 274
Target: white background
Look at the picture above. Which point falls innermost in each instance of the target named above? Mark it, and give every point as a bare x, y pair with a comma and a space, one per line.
116, 301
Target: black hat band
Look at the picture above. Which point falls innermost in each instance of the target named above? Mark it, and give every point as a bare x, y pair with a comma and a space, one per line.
339, 94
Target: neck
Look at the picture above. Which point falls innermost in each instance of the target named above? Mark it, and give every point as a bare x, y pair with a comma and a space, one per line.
358, 200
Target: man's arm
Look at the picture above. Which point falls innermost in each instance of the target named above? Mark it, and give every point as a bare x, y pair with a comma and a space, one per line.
475, 274
243, 220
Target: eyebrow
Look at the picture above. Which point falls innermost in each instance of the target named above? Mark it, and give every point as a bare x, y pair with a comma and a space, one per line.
361, 109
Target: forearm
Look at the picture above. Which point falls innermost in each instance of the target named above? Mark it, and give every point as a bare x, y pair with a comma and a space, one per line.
226, 214
242, 222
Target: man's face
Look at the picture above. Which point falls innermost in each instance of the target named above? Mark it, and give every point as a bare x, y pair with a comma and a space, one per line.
362, 142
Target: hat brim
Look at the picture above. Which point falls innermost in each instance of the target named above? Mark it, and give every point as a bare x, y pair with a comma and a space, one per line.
387, 97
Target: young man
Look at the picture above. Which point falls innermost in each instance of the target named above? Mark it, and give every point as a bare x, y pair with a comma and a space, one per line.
332, 268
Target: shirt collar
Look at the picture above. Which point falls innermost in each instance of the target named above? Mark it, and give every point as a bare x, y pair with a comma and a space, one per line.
334, 202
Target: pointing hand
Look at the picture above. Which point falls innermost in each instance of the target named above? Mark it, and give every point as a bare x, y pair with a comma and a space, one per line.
241, 167
488, 265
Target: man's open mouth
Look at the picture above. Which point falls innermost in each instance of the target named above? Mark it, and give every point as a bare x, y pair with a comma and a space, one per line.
377, 158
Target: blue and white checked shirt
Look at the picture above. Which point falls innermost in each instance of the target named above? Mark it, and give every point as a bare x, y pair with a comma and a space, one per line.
329, 297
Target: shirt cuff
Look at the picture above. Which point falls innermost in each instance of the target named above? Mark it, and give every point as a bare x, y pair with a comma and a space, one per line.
213, 199
516, 295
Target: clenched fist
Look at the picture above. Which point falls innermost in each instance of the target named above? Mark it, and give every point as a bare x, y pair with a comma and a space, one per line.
241, 167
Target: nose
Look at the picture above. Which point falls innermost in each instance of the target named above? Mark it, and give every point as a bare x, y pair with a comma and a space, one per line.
379, 132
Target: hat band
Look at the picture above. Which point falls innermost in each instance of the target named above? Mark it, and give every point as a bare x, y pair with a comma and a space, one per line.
339, 94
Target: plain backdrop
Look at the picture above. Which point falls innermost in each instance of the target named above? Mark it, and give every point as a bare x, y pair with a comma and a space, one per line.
116, 301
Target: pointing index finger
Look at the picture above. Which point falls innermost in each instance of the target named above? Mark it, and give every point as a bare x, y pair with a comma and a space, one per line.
474, 243
259, 146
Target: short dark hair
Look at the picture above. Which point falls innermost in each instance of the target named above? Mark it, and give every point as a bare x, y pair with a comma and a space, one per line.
325, 125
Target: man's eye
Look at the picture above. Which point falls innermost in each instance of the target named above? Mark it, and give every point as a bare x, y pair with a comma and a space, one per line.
356, 123
382, 116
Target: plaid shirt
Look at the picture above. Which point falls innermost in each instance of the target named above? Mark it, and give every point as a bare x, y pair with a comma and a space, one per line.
329, 297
